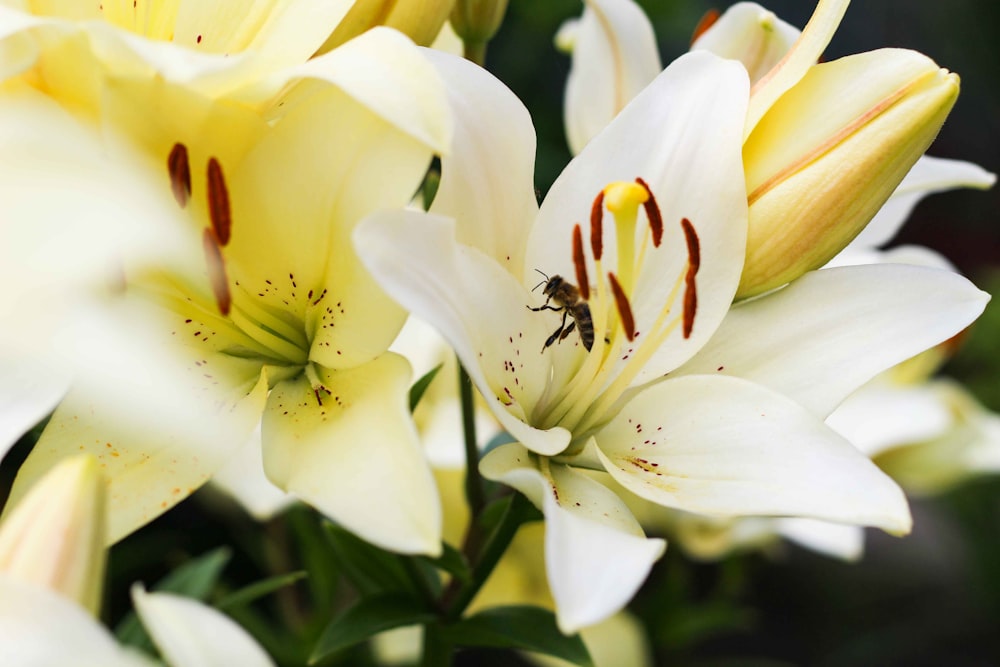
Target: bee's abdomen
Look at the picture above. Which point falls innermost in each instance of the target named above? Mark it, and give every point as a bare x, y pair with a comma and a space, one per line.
584, 324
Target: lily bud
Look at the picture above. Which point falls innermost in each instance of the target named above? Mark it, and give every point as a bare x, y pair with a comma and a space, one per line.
827, 155
476, 21
55, 536
420, 20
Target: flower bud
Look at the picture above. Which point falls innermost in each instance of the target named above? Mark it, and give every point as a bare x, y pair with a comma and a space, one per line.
476, 21
827, 155
55, 536
420, 20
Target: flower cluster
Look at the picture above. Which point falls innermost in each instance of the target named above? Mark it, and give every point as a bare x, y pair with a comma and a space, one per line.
211, 235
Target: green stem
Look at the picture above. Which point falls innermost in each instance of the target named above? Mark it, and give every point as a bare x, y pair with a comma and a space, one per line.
475, 51
456, 599
437, 649
474, 493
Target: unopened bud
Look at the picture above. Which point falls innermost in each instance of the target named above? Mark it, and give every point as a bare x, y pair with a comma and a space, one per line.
825, 157
55, 536
476, 21
420, 20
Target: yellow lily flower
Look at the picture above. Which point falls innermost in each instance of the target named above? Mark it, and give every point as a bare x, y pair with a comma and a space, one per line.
260, 310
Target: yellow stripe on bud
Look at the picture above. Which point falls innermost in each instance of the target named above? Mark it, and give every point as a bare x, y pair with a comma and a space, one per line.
420, 20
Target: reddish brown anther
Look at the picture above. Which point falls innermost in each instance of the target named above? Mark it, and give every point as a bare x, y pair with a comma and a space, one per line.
180, 173
624, 308
218, 202
690, 286
580, 263
707, 20
216, 271
597, 226
652, 213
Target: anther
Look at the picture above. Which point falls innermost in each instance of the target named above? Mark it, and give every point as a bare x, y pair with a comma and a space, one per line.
218, 202
624, 308
690, 287
652, 214
180, 173
597, 226
581, 265
216, 271
708, 19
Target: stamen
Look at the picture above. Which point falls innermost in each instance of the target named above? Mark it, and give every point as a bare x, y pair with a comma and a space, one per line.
180, 173
690, 288
218, 202
624, 309
597, 226
652, 214
707, 21
217, 271
581, 265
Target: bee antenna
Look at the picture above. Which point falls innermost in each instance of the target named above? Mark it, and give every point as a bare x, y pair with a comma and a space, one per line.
542, 282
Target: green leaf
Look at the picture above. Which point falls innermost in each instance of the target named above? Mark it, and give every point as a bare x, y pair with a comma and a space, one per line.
369, 568
420, 386
520, 627
368, 617
259, 589
195, 579
453, 562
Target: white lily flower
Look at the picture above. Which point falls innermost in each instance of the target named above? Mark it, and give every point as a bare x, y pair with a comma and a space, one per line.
716, 434
262, 311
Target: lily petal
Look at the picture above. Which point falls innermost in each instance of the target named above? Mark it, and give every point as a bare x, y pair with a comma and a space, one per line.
192, 634
587, 527
833, 539
28, 392
39, 628
682, 136
725, 446
808, 330
487, 184
928, 175
614, 58
320, 446
418, 260
243, 478
751, 34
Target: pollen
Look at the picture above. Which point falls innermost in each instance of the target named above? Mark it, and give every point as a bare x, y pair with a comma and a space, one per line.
652, 214
597, 226
708, 19
218, 202
624, 307
690, 287
180, 173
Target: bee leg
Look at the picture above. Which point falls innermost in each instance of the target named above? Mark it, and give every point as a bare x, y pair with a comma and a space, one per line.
556, 334
545, 307
567, 331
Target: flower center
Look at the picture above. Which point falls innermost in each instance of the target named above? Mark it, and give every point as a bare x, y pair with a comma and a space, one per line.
621, 337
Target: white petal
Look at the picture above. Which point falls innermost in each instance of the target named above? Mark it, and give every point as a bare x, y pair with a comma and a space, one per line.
928, 175
831, 331
880, 416
683, 135
725, 446
39, 628
191, 634
418, 261
596, 555
28, 392
243, 478
614, 58
352, 452
751, 34
487, 180
832, 539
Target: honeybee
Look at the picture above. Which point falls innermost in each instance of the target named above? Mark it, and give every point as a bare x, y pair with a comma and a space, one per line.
566, 296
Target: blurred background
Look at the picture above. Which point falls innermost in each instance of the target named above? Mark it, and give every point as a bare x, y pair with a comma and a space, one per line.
932, 598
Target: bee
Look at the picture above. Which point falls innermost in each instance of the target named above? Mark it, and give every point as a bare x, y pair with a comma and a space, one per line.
566, 296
